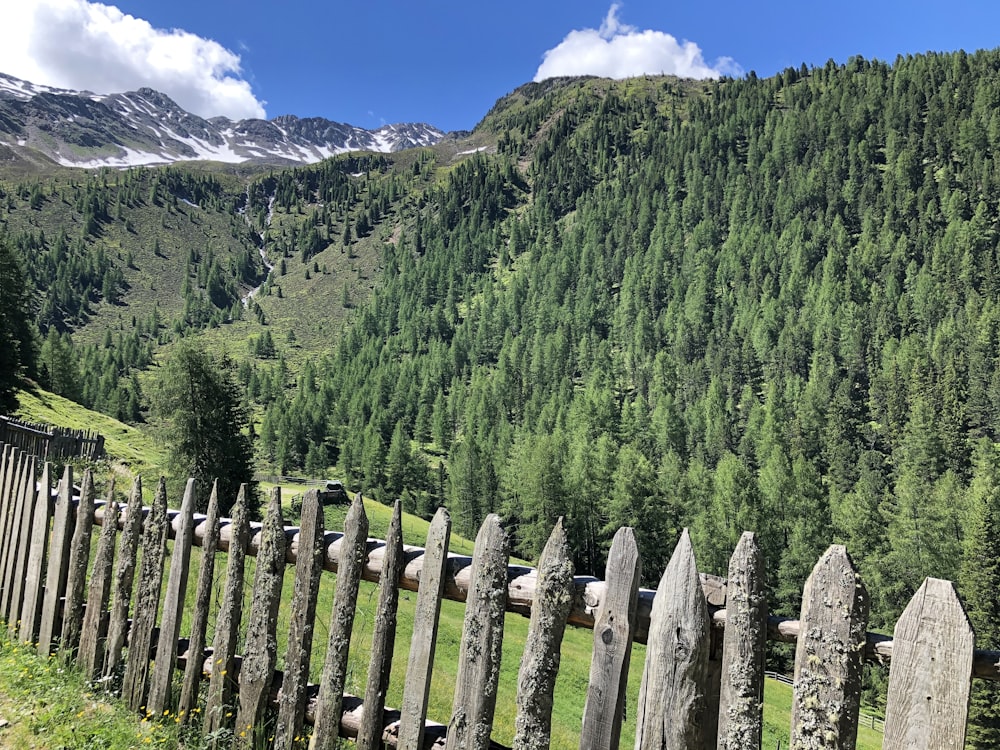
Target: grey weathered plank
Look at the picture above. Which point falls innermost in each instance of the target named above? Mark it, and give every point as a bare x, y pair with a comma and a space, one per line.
154, 550
353, 551
829, 655
671, 709
8, 509
613, 632
260, 654
741, 706
199, 619
482, 638
928, 701
58, 567
128, 547
383, 636
536, 680
34, 581
222, 683
308, 569
161, 679
76, 575
416, 690
26, 494
90, 654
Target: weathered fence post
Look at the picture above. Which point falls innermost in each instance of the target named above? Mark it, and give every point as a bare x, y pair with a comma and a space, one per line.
76, 577
90, 655
219, 698
34, 583
830, 654
128, 547
416, 690
8, 510
929, 678
26, 491
308, 568
383, 636
482, 638
614, 629
329, 703
58, 567
260, 654
161, 679
154, 550
672, 695
536, 680
194, 667
741, 720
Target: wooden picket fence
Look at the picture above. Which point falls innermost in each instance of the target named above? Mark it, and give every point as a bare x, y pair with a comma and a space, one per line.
51, 443
704, 665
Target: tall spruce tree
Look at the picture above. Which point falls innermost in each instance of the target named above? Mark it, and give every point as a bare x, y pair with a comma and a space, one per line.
198, 400
980, 582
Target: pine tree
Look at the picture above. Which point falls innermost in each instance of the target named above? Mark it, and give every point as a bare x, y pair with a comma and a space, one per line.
979, 583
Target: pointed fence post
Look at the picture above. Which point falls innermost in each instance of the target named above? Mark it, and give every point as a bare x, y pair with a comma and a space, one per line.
416, 690
161, 679
26, 489
8, 505
221, 685
308, 568
154, 550
830, 654
672, 695
128, 550
482, 640
12, 532
76, 577
350, 564
260, 654
58, 567
90, 655
930, 675
194, 667
741, 720
536, 680
383, 636
614, 629
34, 582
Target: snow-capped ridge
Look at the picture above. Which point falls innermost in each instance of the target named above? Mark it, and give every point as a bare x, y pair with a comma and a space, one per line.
145, 127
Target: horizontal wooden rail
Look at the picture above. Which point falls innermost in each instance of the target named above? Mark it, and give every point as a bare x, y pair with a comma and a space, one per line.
521, 586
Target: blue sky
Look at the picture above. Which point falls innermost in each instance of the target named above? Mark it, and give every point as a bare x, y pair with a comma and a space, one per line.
445, 63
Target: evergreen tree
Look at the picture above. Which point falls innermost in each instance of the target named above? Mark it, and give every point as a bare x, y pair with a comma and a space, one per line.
980, 582
205, 424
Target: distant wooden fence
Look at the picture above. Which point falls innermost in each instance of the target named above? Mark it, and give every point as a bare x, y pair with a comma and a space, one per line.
51, 443
704, 665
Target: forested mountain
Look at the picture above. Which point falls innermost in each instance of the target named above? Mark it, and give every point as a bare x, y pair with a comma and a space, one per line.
765, 304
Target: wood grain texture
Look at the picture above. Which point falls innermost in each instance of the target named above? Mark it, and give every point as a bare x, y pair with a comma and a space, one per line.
383, 636
353, 551
261, 651
308, 568
830, 654
191, 681
416, 690
128, 545
57, 571
536, 679
672, 694
482, 638
928, 700
90, 654
222, 684
34, 582
76, 577
741, 718
161, 679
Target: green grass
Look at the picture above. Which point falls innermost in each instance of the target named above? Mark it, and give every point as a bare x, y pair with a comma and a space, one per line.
124, 445
50, 706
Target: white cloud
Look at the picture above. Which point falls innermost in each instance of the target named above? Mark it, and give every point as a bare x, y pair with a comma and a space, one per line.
76, 44
617, 50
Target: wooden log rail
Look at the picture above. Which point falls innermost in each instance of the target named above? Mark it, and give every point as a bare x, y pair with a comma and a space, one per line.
589, 592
